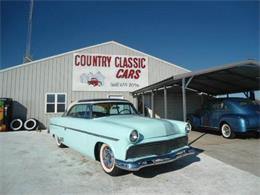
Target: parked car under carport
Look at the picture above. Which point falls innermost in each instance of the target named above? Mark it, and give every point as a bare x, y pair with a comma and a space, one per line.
227, 115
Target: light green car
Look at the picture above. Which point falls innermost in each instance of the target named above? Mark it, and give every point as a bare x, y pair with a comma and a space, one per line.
112, 132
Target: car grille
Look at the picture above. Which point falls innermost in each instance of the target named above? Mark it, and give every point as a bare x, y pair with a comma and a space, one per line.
156, 148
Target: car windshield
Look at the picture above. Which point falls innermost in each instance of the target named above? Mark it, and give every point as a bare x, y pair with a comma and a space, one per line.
112, 108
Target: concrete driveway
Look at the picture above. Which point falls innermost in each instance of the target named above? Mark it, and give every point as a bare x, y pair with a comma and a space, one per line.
32, 164
243, 152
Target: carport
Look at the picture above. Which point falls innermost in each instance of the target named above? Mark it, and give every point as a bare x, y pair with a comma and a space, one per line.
222, 80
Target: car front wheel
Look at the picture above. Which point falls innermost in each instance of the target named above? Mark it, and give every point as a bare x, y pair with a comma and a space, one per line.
226, 131
190, 124
107, 161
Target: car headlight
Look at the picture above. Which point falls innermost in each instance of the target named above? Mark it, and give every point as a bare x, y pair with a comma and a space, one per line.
134, 136
188, 127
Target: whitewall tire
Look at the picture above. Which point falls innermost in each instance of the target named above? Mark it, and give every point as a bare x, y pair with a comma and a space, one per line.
190, 124
107, 160
58, 141
226, 131
30, 124
16, 124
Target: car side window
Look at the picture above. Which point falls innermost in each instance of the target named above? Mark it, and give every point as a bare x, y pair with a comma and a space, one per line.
218, 106
99, 110
79, 111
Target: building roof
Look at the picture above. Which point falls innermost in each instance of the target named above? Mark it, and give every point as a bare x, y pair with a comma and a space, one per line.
230, 78
97, 45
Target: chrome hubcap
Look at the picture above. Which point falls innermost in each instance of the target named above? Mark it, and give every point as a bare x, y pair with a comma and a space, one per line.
189, 125
108, 157
58, 140
226, 131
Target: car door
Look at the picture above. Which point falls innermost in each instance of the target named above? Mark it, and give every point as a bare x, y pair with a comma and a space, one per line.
205, 115
217, 110
75, 123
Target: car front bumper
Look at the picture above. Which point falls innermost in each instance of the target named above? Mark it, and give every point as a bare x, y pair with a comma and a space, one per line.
157, 160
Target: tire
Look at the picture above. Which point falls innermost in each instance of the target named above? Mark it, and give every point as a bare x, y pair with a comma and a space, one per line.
59, 142
190, 123
107, 161
226, 131
16, 124
257, 135
31, 124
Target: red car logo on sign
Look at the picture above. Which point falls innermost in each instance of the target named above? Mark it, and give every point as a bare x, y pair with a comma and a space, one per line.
94, 82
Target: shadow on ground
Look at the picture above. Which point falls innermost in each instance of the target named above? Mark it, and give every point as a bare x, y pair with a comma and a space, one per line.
246, 135
153, 171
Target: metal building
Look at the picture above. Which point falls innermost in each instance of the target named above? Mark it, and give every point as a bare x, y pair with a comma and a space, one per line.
43, 88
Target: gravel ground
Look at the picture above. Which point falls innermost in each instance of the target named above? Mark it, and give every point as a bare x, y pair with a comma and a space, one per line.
32, 164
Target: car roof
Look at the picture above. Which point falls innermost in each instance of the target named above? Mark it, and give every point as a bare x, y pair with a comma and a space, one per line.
94, 101
102, 100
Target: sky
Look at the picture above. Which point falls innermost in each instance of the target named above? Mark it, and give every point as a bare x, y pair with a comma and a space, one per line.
192, 34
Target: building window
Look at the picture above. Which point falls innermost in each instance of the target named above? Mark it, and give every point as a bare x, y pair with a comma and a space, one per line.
55, 102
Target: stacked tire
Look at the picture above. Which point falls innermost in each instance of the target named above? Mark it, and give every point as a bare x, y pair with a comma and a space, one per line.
16, 124
29, 124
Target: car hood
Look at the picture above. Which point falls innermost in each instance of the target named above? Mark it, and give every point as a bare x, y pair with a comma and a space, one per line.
147, 127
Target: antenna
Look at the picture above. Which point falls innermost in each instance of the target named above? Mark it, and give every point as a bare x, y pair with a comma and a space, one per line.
28, 57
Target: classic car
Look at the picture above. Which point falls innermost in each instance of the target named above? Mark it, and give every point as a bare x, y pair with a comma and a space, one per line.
112, 132
94, 82
228, 115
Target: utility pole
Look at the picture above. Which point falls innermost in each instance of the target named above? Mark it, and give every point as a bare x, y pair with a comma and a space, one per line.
28, 56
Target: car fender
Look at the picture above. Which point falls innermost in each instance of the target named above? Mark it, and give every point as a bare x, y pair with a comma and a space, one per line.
236, 122
195, 120
178, 125
118, 147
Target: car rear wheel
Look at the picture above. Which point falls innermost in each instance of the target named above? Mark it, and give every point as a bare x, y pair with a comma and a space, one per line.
107, 160
58, 141
226, 131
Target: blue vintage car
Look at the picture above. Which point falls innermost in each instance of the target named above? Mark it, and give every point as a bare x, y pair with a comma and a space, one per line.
112, 132
229, 115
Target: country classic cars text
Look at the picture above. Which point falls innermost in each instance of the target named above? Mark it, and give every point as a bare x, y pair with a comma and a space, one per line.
128, 67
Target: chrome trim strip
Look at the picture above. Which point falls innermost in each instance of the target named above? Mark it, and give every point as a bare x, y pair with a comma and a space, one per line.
86, 132
151, 161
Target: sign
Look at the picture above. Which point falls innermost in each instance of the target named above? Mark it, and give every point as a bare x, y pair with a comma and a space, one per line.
96, 72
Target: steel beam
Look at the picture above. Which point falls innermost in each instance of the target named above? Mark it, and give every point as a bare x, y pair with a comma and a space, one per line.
143, 107
152, 104
136, 102
184, 99
165, 102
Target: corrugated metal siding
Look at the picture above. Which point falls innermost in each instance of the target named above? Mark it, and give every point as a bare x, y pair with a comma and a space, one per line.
28, 84
174, 102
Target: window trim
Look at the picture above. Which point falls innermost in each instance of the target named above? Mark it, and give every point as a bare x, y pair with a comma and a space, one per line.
116, 96
90, 109
55, 102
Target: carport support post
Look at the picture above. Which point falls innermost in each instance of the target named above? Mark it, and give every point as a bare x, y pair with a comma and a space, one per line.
165, 102
184, 86
152, 102
184, 99
136, 101
143, 108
